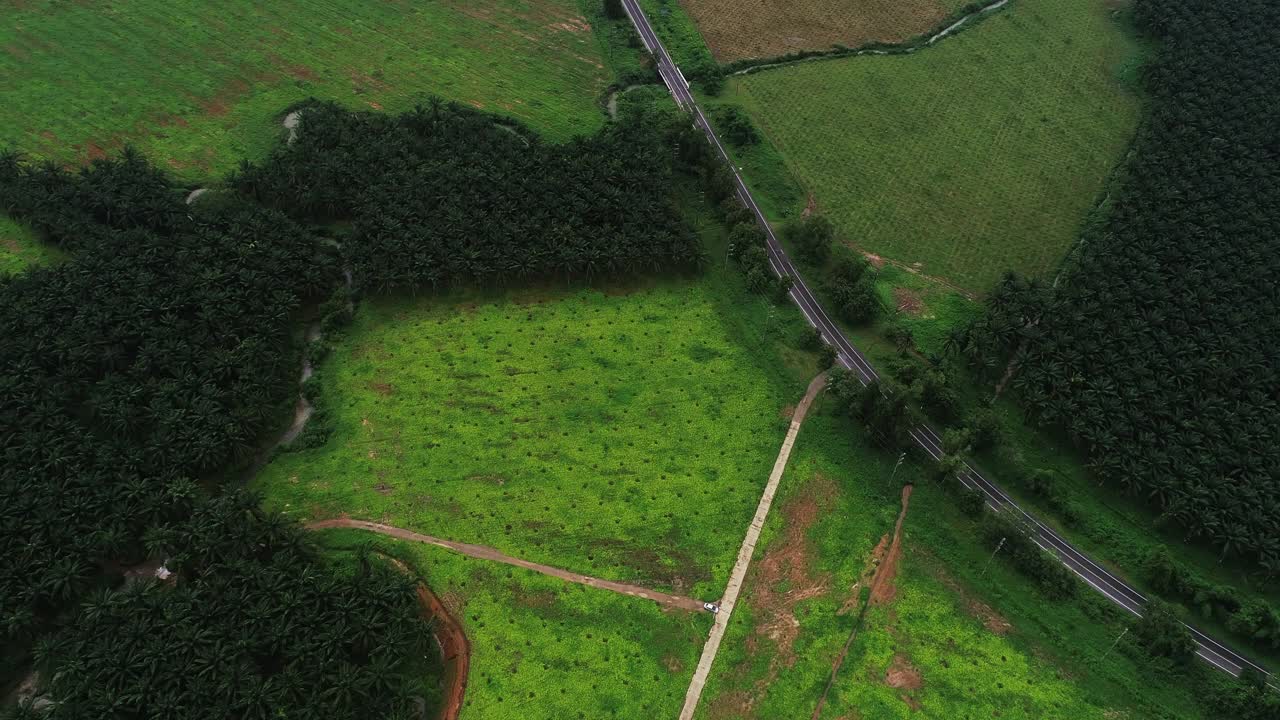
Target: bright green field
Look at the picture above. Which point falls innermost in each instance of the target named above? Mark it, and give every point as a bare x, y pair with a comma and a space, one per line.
980, 154
542, 648
19, 249
199, 85
1052, 660
624, 435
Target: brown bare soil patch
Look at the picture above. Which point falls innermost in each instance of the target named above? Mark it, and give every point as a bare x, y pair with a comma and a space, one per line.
383, 489
739, 29
907, 301
782, 579
673, 664
11, 244
383, 389
220, 104
884, 590
810, 207
787, 412
788, 564
734, 704
902, 674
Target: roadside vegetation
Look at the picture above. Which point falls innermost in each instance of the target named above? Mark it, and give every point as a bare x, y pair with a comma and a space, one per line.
197, 87
20, 249
983, 153
774, 28
543, 648
951, 631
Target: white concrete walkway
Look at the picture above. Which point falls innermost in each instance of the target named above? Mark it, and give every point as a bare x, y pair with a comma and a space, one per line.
748, 549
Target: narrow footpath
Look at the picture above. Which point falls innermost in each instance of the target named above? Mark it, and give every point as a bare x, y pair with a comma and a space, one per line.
712, 646
488, 553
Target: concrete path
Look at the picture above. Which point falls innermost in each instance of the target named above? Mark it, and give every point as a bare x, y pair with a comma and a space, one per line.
488, 553
709, 650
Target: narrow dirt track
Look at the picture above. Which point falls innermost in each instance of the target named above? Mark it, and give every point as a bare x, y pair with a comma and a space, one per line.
882, 592
488, 553
709, 650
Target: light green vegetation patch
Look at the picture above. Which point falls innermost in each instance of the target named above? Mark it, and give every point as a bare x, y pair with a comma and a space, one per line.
929, 309
624, 435
544, 648
979, 154
198, 85
960, 638
19, 249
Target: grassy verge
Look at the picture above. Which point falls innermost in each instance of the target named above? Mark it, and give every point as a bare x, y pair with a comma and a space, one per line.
971, 157
542, 648
959, 638
20, 249
681, 37
198, 86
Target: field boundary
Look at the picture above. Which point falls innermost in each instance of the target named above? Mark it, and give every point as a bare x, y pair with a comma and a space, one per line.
736, 578
953, 24
487, 553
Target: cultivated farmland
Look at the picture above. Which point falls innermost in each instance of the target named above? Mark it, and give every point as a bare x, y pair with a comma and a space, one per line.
199, 85
542, 648
979, 154
742, 29
625, 436
19, 249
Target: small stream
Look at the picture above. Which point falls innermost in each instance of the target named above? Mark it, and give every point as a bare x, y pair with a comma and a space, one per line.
898, 50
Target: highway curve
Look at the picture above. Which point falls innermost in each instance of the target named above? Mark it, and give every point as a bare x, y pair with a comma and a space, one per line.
926, 438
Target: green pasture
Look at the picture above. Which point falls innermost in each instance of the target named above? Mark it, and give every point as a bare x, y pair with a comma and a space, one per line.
19, 248
544, 648
977, 155
980, 638
624, 434
197, 86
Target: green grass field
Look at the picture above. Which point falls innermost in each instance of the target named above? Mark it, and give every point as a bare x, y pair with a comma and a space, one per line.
542, 648
963, 639
977, 155
19, 249
198, 86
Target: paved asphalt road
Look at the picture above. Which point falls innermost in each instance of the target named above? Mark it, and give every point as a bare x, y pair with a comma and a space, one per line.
1096, 576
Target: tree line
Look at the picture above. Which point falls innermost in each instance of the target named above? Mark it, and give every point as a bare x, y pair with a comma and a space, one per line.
445, 195
1159, 350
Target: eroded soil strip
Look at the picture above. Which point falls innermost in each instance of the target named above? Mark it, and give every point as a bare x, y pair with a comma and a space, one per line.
748, 549
488, 553
883, 591
455, 649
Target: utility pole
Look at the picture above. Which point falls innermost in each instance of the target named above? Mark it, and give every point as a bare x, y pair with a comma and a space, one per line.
1114, 644
901, 457
993, 557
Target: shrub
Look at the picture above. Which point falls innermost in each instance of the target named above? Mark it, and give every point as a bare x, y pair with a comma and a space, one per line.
734, 125
1163, 635
812, 237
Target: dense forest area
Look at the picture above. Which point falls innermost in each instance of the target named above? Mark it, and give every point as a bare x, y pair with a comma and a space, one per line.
1159, 350
447, 194
162, 355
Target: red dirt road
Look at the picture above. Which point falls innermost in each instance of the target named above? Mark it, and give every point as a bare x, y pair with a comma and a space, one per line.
488, 553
